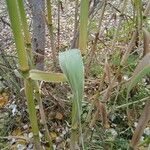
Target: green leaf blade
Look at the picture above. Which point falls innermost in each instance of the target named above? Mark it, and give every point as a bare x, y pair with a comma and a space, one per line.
72, 66
46, 76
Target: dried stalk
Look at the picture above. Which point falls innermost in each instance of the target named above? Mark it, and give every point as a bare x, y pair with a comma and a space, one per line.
143, 121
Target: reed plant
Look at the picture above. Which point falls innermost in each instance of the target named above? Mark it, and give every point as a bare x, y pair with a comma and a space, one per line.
15, 20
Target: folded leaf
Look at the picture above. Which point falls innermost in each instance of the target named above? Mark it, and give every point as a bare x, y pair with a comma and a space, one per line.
72, 66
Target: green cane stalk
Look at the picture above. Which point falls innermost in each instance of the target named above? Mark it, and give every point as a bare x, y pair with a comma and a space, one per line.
16, 28
26, 33
50, 27
15, 20
37, 94
83, 31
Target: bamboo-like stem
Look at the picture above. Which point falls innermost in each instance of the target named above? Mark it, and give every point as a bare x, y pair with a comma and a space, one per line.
50, 27
24, 67
32, 112
42, 114
138, 7
27, 36
28, 43
58, 24
16, 28
36, 86
83, 31
75, 41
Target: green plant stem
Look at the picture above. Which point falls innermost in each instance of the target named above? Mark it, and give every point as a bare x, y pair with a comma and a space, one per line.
84, 8
27, 36
58, 23
50, 27
74, 126
32, 112
36, 86
131, 103
37, 93
17, 31
74, 137
15, 20
24, 22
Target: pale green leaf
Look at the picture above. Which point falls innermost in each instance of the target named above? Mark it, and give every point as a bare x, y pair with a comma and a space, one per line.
46, 76
72, 66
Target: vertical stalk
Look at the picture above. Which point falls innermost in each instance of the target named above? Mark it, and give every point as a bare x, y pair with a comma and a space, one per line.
74, 126
28, 83
83, 25
58, 24
23, 66
24, 22
16, 28
138, 10
138, 7
74, 45
50, 27
35, 85
27, 36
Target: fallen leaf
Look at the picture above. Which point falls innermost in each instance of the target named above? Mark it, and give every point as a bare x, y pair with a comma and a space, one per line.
3, 99
53, 135
59, 116
17, 132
